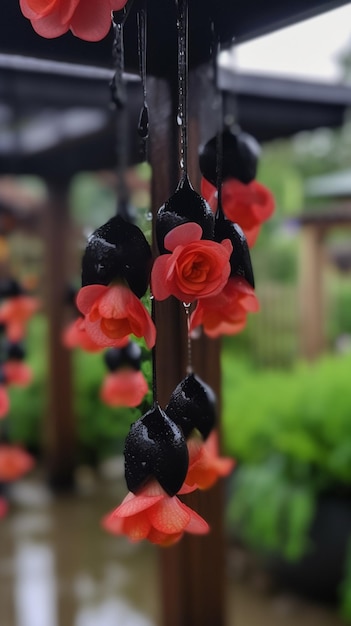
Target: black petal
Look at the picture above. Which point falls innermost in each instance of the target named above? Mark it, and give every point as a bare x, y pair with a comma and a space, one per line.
117, 249
240, 260
155, 448
193, 405
129, 356
185, 205
239, 157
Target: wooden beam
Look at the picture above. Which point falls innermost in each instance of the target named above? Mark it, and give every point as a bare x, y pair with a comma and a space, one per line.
60, 427
311, 298
192, 572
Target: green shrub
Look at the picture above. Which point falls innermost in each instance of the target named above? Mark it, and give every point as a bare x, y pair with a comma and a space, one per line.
290, 433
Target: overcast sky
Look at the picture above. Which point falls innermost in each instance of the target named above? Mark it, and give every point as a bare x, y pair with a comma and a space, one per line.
306, 50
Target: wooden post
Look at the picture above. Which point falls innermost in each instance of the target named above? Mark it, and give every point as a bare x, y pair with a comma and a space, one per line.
312, 340
60, 427
192, 572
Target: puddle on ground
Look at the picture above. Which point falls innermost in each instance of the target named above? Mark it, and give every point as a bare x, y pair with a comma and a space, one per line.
58, 568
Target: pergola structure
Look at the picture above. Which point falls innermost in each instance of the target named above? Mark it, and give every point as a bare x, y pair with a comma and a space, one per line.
67, 73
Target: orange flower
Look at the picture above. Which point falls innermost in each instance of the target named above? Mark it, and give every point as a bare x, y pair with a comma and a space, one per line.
153, 515
4, 402
125, 387
17, 373
87, 19
15, 313
112, 314
247, 205
196, 268
76, 336
226, 313
205, 464
14, 462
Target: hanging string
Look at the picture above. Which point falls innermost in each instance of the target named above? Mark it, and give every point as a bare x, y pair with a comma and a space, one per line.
189, 367
219, 109
182, 117
117, 84
143, 124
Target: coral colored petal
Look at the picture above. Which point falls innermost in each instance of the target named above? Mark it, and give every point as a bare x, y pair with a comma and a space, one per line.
126, 387
14, 462
133, 504
112, 524
137, 527
196, 525
17, 373
91, 20
182, 235
88, 295
159, 276
168, 516
163, 539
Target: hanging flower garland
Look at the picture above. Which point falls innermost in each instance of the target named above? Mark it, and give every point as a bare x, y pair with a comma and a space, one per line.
204, 262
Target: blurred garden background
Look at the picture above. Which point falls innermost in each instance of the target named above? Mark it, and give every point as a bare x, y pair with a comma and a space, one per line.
286, 409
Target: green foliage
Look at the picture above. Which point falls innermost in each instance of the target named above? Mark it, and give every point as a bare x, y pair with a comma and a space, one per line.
290, 432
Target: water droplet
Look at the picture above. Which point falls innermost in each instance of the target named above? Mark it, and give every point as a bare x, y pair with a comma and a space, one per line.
152, 297
186, 305
181, 163
149, 216
179, 120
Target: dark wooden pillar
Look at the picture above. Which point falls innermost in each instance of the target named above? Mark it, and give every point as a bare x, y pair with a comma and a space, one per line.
60, 428
311, 296
192, 572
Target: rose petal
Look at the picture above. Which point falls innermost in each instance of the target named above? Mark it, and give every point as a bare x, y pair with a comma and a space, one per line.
88, 295
169, 516
182, 235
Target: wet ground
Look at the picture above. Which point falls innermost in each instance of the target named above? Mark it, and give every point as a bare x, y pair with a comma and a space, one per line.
57, 568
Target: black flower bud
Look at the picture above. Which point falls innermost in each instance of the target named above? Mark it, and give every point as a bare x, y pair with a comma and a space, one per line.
240, 152
15, 351
240, 259
129, 356
193, 405
185, 205
117, 249
155, 448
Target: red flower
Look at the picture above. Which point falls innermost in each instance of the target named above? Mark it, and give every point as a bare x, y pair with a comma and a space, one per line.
226, 313
196, 268
76, 336
15, 313
17, 373
87, 19
247, 205
4, 402
112, 314
205, 464
125, 387
153, 515
14, 462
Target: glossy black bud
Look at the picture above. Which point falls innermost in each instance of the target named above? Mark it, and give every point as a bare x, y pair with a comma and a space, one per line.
117, 249
193, 405
155, 448
15, 351
239, 157
129, 356
185, 205
10, 288
240, 260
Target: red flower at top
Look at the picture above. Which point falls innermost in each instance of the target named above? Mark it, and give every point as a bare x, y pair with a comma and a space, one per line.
112, 314
153, 515
247, 205
226, 313
196, 268
15, 313
87, 19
